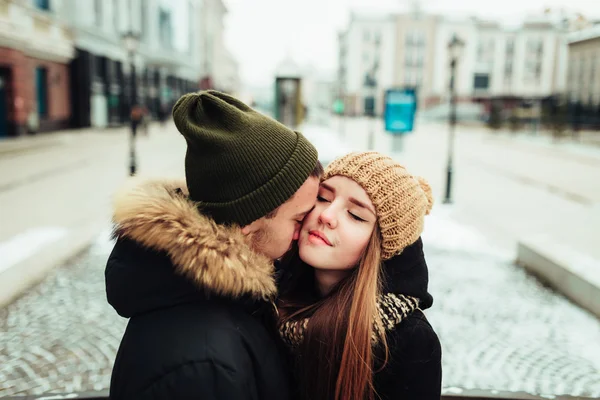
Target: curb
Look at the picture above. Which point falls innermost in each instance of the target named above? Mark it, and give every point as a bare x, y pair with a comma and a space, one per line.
22, 276
574, 274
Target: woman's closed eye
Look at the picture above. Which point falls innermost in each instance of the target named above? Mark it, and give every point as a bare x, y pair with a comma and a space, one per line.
356, 217
322, 199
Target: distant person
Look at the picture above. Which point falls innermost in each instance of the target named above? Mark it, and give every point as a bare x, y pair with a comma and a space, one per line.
136, 116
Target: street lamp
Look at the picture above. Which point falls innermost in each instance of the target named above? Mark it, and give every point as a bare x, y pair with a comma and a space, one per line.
131, 41
455, 47
370, 88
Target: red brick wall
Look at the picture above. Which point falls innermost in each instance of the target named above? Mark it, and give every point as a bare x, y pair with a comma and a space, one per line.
59, 105
22, 89
21, 84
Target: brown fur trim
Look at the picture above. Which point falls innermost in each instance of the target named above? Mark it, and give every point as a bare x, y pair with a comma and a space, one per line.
158, 215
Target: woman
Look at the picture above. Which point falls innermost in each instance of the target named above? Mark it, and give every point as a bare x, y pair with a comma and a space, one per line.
355, 329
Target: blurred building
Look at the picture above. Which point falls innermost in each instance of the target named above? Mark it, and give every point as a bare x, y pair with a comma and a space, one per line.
583, 83
512, 66
318, 92
227, 76
219, 68
465, 30
416, 53
101, 81
36, 48
509, 65
366, 62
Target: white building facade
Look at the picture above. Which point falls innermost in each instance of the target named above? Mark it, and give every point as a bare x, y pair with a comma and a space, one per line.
36, 48
219, 69
166, 64
525, 63
366, 51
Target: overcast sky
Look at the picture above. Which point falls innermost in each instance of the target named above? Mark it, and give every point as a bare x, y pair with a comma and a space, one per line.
260, 33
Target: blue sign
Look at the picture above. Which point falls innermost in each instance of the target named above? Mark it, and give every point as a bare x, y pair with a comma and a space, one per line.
400, 108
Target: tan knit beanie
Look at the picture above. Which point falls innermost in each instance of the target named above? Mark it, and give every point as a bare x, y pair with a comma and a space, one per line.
400, 199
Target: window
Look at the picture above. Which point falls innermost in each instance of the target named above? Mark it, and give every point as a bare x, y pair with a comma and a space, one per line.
408, 78
480, 52
143, 18
510, 46
41, 89
481, 81
421, 38
535, 46
377, 38
42, 4
115, 11
419, 60
573, 68
98, 67
538, 71
540, 48
98, 12
592, 71
508, 70
165, 28
419, 78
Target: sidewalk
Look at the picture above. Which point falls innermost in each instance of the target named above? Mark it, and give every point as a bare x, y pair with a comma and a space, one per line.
56, 190
538, 202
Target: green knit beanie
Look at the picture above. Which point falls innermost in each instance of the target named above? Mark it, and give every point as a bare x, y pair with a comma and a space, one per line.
240, 164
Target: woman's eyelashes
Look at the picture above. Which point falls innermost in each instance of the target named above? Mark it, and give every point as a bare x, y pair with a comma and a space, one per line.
356, 217
322, 199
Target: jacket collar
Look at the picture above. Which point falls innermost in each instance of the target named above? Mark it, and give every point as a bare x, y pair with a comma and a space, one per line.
159, 215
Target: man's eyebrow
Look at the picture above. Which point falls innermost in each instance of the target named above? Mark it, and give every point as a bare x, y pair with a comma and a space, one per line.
304, 213
327, 187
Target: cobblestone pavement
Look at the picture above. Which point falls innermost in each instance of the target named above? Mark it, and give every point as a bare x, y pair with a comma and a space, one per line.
500, 329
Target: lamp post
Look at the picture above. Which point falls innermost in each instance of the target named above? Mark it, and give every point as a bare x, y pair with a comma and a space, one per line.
455, 47
131, 41
370, 88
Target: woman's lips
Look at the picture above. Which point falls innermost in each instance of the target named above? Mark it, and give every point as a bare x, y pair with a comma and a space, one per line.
317, 237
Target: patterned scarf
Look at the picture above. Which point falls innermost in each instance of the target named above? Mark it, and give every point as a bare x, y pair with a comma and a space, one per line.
391, 310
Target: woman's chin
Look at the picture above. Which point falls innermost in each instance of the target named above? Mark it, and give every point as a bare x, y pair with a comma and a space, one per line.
307, 254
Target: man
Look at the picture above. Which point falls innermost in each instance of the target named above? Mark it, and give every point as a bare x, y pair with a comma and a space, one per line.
193, 264
136, 116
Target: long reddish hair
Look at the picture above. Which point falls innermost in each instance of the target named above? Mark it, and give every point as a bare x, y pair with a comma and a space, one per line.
335, 359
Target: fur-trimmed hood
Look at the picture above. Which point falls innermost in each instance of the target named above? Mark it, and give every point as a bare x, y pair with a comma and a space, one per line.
159, 216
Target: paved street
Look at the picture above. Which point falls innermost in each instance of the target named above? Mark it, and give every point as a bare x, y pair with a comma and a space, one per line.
499, 328
56, 191
75, 173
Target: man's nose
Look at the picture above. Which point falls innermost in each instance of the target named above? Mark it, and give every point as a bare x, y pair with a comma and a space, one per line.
296, 234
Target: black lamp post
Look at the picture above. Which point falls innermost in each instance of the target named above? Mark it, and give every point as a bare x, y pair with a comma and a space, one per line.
455, 47
131, 41
370, 87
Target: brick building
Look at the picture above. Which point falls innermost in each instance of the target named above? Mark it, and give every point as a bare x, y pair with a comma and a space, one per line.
35, 51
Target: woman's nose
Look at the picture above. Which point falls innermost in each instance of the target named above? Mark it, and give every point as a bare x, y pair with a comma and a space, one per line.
327, 217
